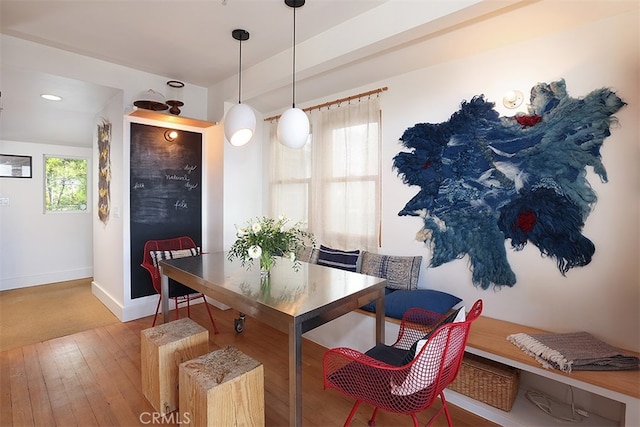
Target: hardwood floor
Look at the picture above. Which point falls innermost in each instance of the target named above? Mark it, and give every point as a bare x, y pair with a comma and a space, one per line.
93, 378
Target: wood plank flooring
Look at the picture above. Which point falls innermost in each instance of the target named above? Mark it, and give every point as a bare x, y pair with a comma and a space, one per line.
93, 378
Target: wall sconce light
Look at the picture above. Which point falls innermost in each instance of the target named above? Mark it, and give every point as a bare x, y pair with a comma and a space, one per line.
240, 121
170, 135
175, 96
151, 100
293, 126
513, 99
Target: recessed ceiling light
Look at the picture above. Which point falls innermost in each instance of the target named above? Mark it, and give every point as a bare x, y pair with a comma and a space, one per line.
51, 97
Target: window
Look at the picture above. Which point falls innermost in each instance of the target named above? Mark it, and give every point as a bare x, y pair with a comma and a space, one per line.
65, 184
333, 182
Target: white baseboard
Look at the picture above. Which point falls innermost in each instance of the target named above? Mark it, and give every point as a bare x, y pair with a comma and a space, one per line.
44, 278
142, 307
135, 309
139, 307
114, 306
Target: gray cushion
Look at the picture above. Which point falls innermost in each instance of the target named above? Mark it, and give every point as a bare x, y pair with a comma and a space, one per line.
401, 272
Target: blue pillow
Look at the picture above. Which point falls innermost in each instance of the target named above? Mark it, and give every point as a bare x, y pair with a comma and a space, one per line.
345, 260
371, 307
399, 301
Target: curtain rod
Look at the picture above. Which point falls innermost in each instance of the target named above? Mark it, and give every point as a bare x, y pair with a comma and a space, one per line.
337, 101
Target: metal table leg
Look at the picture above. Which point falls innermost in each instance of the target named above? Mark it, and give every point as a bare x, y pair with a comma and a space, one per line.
164, 295
295, 374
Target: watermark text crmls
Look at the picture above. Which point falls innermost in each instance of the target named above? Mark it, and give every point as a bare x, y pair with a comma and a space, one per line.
147, 418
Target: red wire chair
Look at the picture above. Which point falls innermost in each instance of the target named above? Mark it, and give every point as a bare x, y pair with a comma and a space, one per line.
411, 386
188, 295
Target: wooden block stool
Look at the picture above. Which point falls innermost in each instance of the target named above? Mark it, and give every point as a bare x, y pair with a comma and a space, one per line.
163, 348
223, 388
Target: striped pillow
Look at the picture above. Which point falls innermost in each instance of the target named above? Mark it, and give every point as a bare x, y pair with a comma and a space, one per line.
157, 256
344, 260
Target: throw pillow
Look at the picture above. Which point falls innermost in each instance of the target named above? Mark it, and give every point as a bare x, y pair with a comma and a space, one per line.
401, 272
398, 301
176, 289
419, 377
344, 260
388, 354
157, 256
457, 315
371, 307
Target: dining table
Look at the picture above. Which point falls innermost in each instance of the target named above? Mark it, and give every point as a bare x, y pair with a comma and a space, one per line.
293, 298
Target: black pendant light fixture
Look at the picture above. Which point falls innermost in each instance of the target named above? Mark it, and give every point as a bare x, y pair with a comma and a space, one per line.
240, 121
293, 126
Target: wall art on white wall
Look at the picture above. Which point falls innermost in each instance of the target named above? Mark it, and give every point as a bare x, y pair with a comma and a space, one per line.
13, 166
484, 179
104, 171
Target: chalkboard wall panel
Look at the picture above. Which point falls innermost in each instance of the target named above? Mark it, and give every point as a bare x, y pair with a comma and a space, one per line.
165, 193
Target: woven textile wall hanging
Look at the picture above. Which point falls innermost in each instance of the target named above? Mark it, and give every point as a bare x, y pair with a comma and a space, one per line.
104, 170
485, 178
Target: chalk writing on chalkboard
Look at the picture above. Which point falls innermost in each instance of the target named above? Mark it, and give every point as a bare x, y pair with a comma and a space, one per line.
165, 177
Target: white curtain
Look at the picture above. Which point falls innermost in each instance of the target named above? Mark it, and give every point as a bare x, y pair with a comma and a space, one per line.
333, 182
289, 178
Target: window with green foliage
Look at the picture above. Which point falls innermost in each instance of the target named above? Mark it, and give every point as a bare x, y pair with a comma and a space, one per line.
65, 184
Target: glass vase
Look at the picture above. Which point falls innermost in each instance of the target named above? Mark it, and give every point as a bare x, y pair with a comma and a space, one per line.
266, 262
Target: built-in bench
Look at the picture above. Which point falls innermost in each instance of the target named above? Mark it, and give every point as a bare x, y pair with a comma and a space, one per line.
488, 339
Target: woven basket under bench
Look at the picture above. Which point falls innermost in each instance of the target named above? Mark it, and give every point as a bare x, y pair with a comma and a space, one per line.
487, 381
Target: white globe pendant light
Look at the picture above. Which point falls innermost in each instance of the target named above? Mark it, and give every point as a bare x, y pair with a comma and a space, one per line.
239, 124
293, 126
240, 121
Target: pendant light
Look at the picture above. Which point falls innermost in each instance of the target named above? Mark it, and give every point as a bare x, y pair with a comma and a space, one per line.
293, 126
240, 121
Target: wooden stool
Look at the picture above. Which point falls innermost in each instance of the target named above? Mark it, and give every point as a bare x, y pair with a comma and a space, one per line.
163, 348
222, 388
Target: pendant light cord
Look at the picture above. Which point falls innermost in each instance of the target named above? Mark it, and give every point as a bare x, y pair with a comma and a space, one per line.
293, 103
240, 74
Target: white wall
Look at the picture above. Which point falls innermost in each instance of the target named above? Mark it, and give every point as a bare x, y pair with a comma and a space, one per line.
603, 297
243, 182
40, 248
109, 265
109, 248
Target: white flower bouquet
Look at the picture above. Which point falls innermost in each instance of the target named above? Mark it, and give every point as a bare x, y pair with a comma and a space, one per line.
266, 238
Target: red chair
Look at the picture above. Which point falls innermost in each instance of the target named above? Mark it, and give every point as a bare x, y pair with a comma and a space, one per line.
403, 383
172, 248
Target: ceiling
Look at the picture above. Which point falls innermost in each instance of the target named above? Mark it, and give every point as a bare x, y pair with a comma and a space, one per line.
187, 40
190, 41
184, 40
